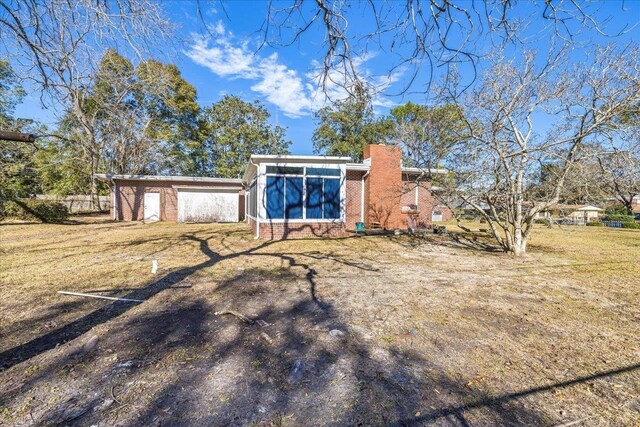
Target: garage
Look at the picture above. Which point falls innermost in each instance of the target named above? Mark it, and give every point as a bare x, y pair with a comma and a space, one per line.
208, 205
188, 199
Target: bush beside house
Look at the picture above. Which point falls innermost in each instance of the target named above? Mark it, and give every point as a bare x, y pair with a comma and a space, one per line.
36, 210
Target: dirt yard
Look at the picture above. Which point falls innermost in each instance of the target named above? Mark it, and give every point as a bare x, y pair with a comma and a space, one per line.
354, 331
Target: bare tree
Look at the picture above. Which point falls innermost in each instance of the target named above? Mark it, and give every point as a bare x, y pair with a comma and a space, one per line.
422, 34
56, 44
582, 185
621, 172
521, 117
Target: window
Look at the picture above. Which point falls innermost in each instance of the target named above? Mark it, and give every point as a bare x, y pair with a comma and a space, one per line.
285, 170
253, 199
323, 172
331, 198
313, 194
314, 198
275, 198
293, 198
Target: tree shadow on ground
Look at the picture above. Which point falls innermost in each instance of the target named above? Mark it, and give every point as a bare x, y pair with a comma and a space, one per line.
110, 311
70, 331
466, 241
183, 365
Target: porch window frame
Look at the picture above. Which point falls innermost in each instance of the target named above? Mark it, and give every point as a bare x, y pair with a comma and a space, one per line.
341, 178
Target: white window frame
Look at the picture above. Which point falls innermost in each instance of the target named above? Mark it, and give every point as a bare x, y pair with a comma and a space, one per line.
262, 188
248, 200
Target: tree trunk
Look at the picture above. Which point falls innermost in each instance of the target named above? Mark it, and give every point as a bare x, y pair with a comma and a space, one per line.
519, 244
95, 199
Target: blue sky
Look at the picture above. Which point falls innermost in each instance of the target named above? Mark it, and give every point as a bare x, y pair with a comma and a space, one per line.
221, 59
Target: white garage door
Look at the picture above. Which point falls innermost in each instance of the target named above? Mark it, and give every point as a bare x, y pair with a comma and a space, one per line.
207, 205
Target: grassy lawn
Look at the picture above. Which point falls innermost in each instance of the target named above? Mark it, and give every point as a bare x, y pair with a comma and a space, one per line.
426, 331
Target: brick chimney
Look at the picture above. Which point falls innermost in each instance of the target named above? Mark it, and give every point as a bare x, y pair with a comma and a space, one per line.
383, 187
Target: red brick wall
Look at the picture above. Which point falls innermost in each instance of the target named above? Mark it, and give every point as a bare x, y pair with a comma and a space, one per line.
427, 203
384, 186
281, 230
130, 203
130, 195
354, 198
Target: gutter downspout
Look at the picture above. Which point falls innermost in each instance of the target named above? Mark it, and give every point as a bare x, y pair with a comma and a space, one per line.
362, 196
257, 217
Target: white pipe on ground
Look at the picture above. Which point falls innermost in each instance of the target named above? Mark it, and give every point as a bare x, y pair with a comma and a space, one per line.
77, 294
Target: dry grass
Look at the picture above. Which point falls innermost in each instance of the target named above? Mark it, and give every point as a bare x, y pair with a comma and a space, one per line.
438, 330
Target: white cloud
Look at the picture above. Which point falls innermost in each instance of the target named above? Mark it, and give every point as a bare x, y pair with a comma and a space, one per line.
222, 58
282, 86
296, 95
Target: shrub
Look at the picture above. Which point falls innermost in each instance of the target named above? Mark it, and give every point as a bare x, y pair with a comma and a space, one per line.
617, 217
617, 209
633, 225
595, 224
543, 221
36, 210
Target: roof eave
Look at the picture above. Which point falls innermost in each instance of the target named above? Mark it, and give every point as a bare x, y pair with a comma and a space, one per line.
109, 177
249, 172
425, 171
357, 167
259, 158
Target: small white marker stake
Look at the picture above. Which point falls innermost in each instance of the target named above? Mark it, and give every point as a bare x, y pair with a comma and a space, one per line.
154, 266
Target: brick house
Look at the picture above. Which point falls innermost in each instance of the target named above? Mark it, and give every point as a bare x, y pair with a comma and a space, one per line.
289, 196
300, 196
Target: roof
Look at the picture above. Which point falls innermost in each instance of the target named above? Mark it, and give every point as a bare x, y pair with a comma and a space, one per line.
199, 179
421, 171
406, 170
576, 207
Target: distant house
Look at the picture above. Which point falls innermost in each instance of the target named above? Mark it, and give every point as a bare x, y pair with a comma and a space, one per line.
635, 204
577, 213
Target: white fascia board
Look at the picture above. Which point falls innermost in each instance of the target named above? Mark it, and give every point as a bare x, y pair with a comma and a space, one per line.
229, 181
358, 167
419, 170
366, 167
286, 158
223, 188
